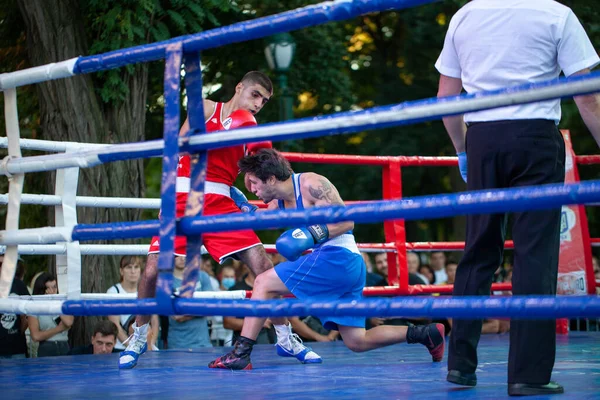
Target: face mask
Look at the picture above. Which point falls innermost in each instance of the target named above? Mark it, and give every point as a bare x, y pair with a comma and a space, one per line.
228, 282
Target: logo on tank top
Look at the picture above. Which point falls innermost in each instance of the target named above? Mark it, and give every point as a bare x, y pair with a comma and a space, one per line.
214, 120
227, 123
9, 322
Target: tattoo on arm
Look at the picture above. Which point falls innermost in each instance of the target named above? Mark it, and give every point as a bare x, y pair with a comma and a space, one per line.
325, 191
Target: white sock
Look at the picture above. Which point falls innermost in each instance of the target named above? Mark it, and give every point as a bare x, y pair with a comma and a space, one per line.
141, 330
283, 335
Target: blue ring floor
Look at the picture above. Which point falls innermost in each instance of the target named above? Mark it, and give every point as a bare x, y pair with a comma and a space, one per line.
396, 372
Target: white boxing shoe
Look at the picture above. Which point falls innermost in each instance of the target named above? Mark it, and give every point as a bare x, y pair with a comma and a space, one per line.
136, 347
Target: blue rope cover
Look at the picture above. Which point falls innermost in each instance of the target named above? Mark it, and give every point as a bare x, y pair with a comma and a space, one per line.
424, 207
525, 307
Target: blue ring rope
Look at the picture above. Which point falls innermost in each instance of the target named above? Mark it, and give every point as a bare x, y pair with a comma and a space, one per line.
525, 307
424, 207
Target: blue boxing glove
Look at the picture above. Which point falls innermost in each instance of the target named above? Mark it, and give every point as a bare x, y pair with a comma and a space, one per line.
241, 201
462, 165
291, 244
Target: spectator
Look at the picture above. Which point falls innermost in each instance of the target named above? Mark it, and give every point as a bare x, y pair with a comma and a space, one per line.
13, 326
267, 334
32, 281
188, 331
130, 269
428, 273
219, 336
413, 262
381, 267
240, 268
103, 340
368, 262
438, 264
451, 272
374, 276
227, 277
381, 264
20, 271
51, 331
207, 266
32, 345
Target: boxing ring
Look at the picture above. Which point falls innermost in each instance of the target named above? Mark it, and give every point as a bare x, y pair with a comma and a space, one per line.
393, 372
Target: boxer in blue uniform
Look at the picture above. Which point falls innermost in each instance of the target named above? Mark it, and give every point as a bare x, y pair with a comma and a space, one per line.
333, 270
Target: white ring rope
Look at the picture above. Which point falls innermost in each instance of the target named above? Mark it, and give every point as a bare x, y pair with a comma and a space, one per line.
52, 304
19, 306
50, 146
226, 294
62, 69
87, 201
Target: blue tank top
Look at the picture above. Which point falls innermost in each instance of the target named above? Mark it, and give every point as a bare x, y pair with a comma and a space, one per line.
298, 195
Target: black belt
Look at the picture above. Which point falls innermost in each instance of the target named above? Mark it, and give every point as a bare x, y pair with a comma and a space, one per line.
470, 124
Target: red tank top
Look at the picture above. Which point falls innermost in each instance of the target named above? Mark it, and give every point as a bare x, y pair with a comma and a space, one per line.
221, 165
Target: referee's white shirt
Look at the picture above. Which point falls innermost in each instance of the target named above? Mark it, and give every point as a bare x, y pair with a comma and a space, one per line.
492, 44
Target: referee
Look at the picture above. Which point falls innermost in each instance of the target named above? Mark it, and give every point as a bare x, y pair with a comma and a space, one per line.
492, 44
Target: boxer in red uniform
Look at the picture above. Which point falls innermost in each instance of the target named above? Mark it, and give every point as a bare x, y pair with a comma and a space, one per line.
251, 94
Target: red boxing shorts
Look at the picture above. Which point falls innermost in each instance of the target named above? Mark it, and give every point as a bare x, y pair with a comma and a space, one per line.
220, 245
180, 246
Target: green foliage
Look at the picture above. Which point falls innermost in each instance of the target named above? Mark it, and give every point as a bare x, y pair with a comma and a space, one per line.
123, 24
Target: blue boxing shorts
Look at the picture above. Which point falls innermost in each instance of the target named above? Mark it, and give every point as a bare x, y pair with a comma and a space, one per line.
328, 273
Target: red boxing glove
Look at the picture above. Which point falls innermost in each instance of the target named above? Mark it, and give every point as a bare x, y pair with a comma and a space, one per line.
239, 119
252, 148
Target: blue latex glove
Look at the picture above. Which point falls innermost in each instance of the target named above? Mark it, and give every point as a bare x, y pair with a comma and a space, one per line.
462, 165
241, 201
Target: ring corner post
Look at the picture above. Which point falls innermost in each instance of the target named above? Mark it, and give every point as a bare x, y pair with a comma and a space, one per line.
198, 162
15, 190
173, 59
395, 231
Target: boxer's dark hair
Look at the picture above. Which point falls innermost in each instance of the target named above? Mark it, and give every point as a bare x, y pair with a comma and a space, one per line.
258, 78
266, 163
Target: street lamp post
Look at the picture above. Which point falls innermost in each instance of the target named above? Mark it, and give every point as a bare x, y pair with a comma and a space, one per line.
279, 51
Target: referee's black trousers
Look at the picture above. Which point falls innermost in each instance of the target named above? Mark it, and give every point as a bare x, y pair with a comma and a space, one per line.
503, 154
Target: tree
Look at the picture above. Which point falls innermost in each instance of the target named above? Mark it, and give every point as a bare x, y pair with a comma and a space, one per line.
105, 108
